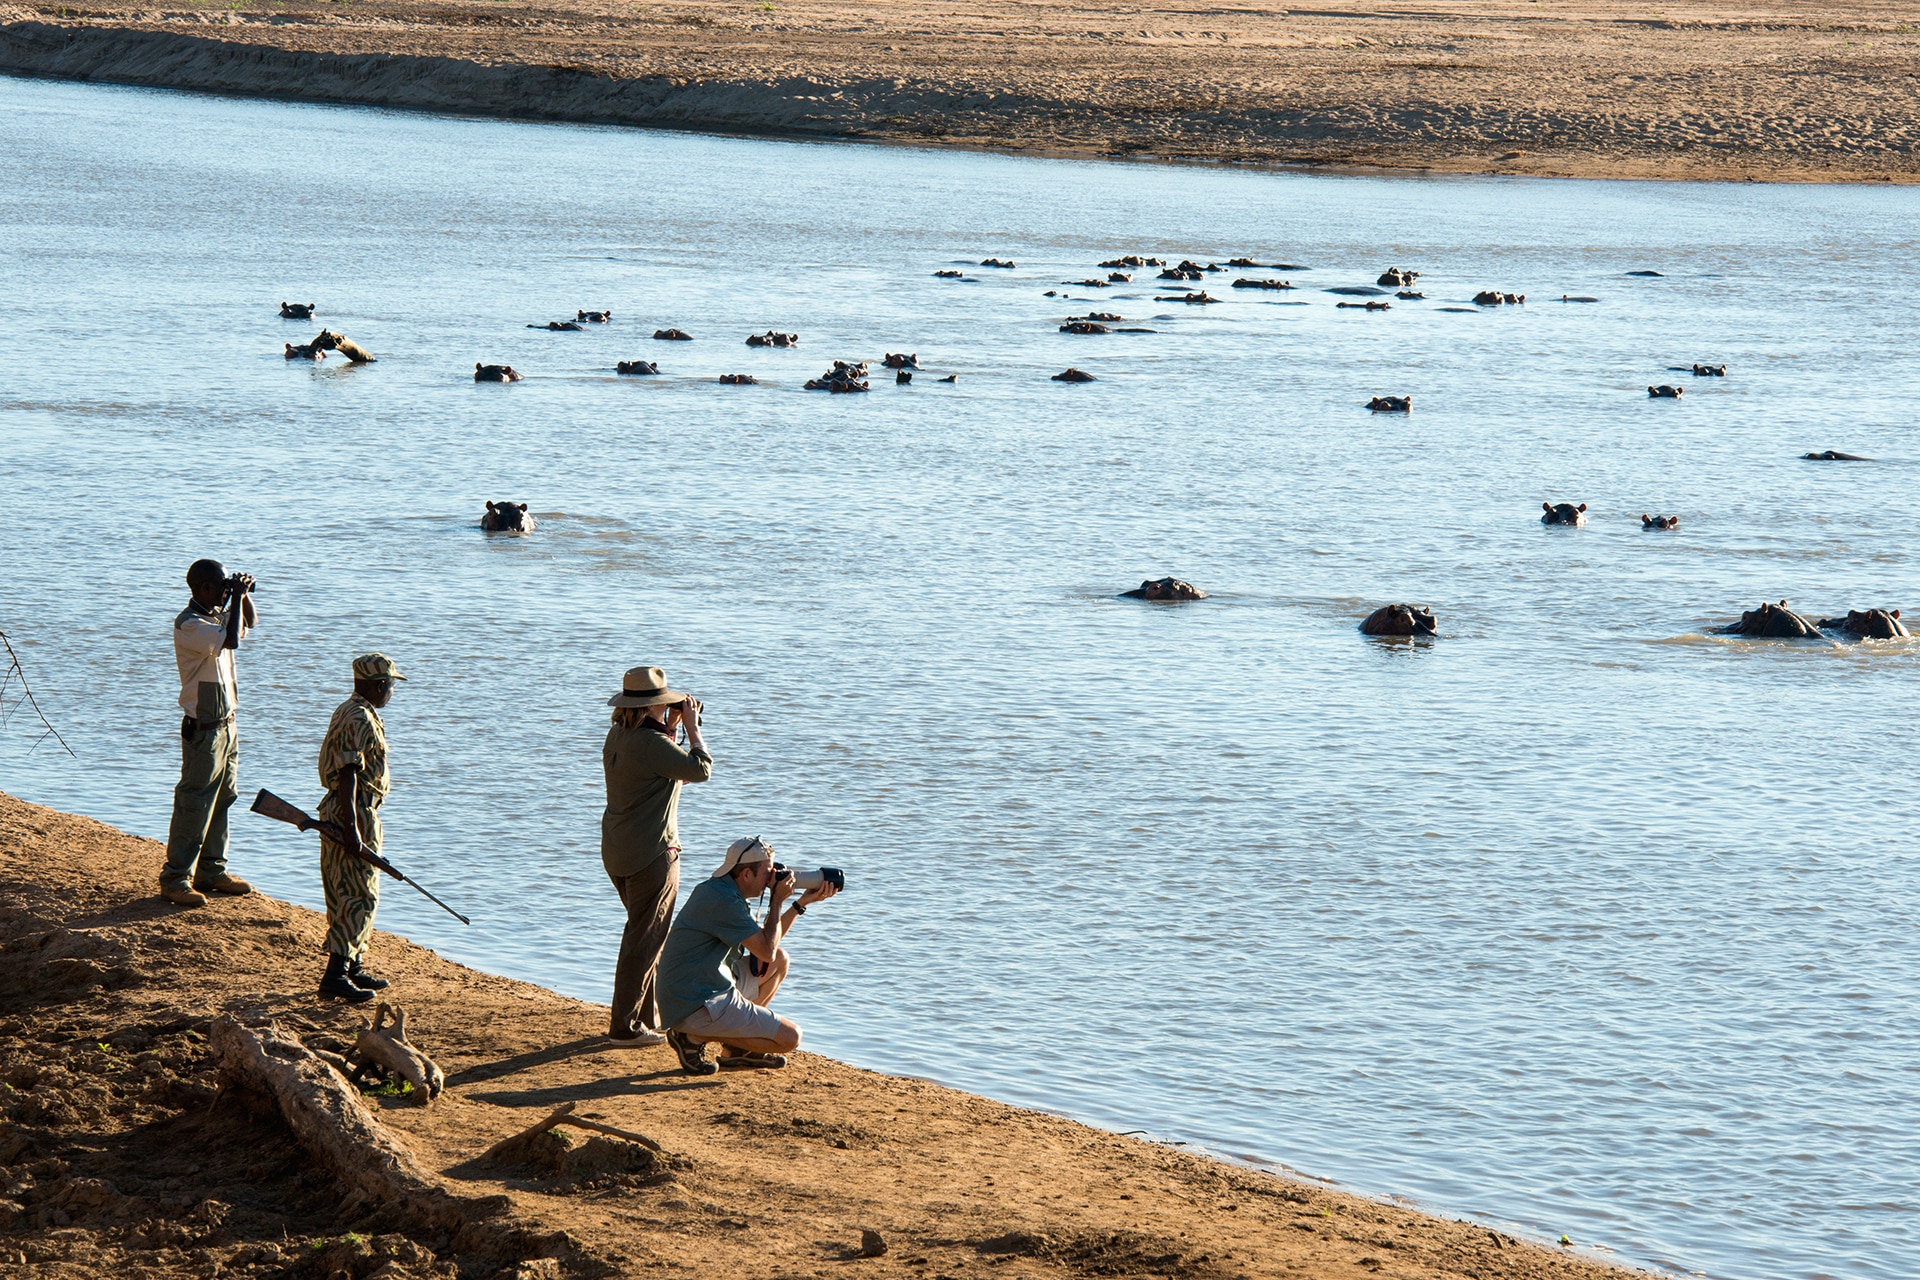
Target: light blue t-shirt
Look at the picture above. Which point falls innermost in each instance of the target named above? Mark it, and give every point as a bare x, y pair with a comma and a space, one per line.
693, 965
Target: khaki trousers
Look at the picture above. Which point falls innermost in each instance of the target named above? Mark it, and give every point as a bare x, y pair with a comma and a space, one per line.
209, 784
648, 897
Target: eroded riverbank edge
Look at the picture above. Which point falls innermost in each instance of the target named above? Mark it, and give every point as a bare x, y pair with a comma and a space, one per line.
1691, 97
126, 1150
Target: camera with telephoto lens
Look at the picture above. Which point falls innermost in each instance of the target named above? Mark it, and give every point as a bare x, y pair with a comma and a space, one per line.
804, 880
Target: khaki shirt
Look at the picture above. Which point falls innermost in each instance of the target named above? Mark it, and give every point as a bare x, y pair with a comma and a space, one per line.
355, 737
207, 690
644, 770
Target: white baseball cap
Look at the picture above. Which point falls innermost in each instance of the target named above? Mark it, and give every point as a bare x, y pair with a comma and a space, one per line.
744, 852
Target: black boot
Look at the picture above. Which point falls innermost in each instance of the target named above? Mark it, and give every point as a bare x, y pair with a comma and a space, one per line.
361, 978
337, 984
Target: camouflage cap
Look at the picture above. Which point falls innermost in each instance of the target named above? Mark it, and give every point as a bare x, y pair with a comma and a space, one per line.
375, 666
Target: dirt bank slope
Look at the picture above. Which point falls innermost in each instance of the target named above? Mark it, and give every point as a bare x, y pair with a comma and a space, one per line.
122, 1155
1771, 89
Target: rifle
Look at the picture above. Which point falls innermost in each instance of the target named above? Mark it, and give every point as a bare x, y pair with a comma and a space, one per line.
270, 805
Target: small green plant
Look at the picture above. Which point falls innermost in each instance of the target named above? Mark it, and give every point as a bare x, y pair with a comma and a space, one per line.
388, 1089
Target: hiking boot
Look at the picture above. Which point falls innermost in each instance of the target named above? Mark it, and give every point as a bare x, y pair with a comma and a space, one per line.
181, 896
365, 981
233, 886
693, 1057
336, 985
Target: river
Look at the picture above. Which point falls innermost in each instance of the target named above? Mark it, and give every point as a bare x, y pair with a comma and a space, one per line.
1579, 918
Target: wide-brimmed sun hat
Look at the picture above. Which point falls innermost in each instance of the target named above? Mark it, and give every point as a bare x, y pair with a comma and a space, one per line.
744, 852
644, 687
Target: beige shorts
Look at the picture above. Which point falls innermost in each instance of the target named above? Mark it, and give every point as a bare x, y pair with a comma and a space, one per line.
731, 1016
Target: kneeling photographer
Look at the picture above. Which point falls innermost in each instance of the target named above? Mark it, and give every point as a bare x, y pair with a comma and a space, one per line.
721, 966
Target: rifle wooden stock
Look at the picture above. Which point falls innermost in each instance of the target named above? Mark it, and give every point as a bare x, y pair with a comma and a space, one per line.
269, 805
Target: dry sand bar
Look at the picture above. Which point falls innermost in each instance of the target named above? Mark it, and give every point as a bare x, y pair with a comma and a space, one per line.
1770, 91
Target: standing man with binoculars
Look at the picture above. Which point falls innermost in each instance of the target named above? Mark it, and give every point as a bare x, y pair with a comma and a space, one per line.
205, 635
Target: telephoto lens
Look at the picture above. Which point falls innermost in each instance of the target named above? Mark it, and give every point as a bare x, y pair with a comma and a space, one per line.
804, 880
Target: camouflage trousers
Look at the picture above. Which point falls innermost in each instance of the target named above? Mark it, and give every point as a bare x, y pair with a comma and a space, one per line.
353, 889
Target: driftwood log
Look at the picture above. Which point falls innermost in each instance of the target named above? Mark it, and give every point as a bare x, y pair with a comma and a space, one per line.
563, 1114
329, 1119
374, 1169
383, 1044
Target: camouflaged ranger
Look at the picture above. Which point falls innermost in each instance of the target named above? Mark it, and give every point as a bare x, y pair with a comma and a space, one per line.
205, 635
353, 769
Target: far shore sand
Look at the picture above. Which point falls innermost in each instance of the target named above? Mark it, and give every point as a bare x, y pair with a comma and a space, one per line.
1767, 90
125, 1151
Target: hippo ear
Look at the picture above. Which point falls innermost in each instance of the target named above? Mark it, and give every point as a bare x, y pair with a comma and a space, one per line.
1583, 506
1896, 613
523, 506
489, 506
1546, 506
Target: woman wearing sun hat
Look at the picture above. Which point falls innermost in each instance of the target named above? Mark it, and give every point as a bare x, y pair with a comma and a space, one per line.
640, 837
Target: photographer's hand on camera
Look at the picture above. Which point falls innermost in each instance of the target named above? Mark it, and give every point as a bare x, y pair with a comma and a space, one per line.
819, 893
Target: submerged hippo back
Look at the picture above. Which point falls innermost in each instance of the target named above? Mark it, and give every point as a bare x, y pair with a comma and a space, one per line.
1775, 622
1165, 589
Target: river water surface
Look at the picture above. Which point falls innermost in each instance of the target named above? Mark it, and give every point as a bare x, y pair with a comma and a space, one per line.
1578, 919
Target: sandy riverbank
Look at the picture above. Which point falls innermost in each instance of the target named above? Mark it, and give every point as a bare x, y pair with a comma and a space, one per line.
1767, 90
125, 1151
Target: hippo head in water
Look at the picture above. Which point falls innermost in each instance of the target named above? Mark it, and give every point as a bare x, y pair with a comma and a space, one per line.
1774, 622
1874, 624
495, 373
507, 517
1165, 589
297, 310
1400, 620
1564, 513
1659, 522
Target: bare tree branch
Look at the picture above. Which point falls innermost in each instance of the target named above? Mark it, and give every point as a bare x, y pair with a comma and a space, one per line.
13, 672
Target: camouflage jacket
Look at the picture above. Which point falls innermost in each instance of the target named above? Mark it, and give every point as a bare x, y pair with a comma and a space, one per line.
355, 736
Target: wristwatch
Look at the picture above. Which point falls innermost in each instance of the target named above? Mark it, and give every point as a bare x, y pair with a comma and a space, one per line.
798, 909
